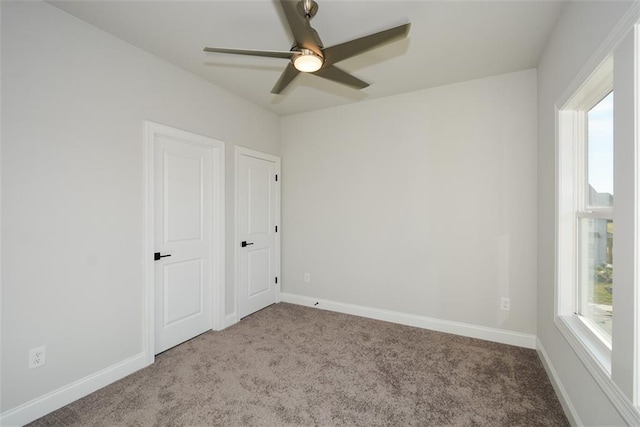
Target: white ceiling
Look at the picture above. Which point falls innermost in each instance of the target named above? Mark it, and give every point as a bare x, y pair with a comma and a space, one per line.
449, 41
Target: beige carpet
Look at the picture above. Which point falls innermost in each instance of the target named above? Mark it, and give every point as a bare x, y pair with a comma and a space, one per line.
293, 365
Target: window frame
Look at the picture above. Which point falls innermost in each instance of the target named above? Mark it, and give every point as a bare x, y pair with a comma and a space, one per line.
621, 386
572, 180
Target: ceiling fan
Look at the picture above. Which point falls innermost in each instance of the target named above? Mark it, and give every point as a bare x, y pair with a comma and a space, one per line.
308, 55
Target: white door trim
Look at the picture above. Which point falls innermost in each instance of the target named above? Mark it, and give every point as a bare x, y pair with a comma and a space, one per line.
218, 229
236, 241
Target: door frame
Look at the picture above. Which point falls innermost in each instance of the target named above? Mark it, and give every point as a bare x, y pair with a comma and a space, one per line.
240, 151
152, 129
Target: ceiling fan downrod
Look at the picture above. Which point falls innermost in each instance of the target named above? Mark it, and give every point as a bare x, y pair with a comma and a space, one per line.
308, 8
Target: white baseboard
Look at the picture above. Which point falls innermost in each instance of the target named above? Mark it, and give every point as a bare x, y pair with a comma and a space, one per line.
561, 392
56, 399
230, 320
489, 334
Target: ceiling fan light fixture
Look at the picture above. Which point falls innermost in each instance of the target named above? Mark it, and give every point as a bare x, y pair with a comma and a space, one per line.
308, 61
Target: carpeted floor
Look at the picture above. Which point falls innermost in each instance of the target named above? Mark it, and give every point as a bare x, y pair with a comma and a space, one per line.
293, 365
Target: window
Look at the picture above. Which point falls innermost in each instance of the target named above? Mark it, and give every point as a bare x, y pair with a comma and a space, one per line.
585, 219
594, 219
598, 219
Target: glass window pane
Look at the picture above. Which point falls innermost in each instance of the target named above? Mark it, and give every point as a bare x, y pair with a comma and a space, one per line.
600, 153
596, 273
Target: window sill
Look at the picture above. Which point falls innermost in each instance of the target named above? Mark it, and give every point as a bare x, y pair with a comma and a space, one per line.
596, 357
585, 343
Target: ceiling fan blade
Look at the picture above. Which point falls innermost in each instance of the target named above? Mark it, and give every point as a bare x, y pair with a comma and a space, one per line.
267, 53
355, 47
303, 35
340, 76
286, 77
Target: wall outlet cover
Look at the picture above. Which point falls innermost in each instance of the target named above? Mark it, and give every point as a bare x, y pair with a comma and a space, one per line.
37, 357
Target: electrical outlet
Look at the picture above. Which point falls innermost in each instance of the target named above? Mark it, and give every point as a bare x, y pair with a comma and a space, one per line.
505, 304
307, 277
37, 357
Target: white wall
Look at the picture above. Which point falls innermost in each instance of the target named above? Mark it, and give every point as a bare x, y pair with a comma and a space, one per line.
423, 203
73, 103
580, 31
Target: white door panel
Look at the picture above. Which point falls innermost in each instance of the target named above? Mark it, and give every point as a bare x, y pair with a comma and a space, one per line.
259, 197
183, 218
257, 219
260, 271
184, 186
183, 291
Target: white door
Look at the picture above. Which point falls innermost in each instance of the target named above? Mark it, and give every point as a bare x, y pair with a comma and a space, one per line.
257, 234
185, 217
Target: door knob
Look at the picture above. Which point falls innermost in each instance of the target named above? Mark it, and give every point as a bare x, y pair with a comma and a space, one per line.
157, 256
244, 244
